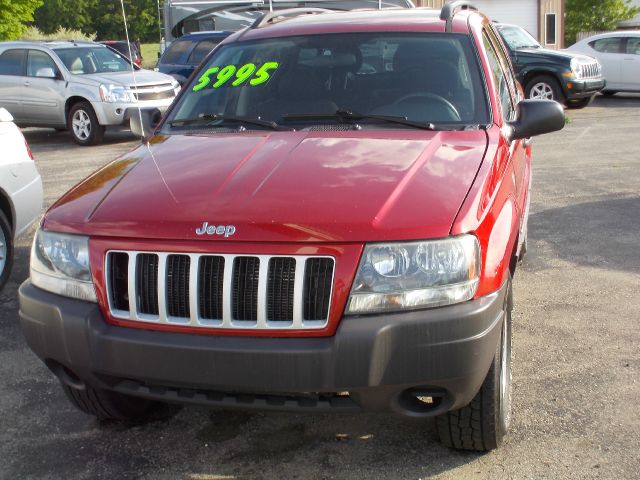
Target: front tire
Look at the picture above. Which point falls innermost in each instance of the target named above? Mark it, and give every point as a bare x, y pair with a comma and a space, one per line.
83, 124
544, 87
580, 103
108, 405
482, 425
6, 250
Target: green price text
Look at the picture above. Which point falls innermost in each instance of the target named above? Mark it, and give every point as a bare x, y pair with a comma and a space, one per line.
236, 76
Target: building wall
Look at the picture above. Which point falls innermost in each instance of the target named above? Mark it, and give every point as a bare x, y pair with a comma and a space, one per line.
537, 28
551, 7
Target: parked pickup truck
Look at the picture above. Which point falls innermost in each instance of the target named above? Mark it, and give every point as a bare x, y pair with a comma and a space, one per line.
328, 218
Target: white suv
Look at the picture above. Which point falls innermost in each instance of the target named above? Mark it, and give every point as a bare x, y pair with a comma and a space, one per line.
20, 190
80, 86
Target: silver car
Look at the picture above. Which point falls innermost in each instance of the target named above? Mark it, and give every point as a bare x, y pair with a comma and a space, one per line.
80, 86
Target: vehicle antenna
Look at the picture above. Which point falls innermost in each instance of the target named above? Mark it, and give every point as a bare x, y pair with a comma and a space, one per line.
133, 70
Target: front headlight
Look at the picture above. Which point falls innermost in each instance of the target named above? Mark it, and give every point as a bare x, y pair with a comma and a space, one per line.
412, 275
176, 86
60, 264
114, 93
576, 68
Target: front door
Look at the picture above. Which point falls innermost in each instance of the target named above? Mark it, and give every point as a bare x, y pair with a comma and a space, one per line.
42, 96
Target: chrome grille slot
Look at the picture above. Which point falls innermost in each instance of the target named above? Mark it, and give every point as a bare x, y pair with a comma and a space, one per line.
210, 275
119, 294
280, 289
147, 283
317, 281
220, 290
245, 288
152, 92
178, 285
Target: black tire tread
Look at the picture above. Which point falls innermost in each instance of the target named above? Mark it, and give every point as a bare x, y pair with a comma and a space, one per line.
474, 426
6, 227
107, 405
97, 130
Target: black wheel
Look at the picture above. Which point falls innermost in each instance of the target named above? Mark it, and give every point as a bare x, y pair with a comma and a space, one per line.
6, 249
83, 124
482, 425
608, 93
544, 87
108, 405
580, 103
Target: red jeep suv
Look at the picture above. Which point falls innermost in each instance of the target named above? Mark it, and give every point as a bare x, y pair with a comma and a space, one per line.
328, 218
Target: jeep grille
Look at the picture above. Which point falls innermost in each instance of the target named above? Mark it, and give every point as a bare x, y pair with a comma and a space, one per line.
591, 70
220, 291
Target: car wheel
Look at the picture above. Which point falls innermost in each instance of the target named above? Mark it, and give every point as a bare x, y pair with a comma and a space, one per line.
544, 87
608, 93
6, 250
108, 405
482, 425
84, 125
580, 103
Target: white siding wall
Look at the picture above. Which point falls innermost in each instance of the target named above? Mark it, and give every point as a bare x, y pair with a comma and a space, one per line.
519, 12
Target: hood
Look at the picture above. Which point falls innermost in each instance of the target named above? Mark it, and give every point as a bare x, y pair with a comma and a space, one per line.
556, 55
279, 187
142, 77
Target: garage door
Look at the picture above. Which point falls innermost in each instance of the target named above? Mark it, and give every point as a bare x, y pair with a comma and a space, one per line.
519, 12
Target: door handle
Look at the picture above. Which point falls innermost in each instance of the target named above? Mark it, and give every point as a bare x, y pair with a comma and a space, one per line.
27, 83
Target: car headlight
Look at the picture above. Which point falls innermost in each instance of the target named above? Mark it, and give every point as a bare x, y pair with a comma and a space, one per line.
114, 93
176, 86
60, 264
412, 275
576, 68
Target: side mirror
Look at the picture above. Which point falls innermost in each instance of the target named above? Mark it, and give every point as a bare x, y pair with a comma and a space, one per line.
535, 117
46, 72
144, 123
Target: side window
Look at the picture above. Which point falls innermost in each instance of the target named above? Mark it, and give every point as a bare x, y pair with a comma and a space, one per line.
11, 62
202, 50
37, 60
633, 45
506, 100
175, 51
607, 45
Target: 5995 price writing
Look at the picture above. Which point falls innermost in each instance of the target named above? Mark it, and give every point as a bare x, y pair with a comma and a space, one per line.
237, 76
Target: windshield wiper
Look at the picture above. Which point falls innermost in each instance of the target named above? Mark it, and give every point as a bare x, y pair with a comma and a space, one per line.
209, 118
348, 115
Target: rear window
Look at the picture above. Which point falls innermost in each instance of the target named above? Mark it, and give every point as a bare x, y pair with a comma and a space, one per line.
607, 45
11, 62
175, 51
202, 50
426, 77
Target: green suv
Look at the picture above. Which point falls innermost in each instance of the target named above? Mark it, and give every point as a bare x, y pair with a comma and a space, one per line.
565, 77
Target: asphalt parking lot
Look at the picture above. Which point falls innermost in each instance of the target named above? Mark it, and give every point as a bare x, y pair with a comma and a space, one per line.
576, 359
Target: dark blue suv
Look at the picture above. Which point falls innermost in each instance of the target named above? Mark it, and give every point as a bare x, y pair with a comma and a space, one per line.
186, 53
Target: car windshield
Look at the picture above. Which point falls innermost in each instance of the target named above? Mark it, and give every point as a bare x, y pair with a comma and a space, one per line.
517, 37
338, 78
86, 60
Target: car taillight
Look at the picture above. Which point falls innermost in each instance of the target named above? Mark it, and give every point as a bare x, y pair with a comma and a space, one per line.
28, 149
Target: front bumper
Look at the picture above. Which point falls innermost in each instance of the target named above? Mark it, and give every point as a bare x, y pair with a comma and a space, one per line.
383, 361
583, 88
118, 114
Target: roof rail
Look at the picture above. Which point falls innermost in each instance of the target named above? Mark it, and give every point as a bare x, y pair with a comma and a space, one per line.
288, 12
451, 8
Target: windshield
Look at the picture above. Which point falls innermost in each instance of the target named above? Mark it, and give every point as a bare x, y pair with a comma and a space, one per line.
85, 60
420, 77
517, 37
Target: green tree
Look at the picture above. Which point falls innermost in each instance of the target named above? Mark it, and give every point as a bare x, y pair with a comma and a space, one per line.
14, 16
595, 15
70, 14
